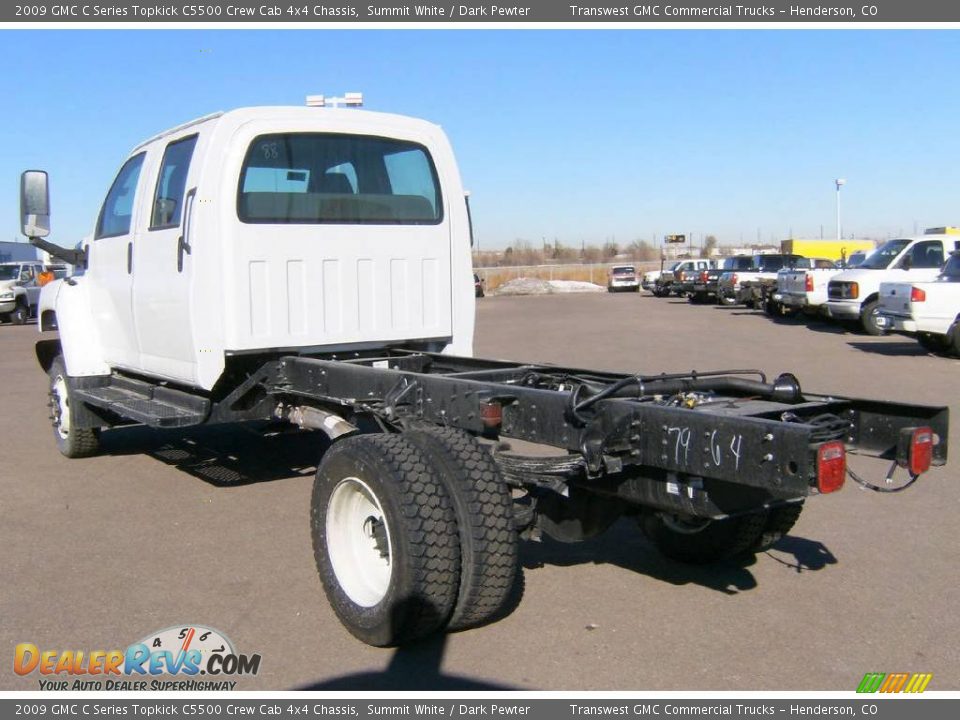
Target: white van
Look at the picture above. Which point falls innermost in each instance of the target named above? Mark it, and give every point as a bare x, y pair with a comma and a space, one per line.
854, 295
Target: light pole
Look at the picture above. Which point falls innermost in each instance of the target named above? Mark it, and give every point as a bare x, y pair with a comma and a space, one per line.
840, 183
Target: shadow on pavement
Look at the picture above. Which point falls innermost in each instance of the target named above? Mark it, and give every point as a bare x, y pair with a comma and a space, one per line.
890, 348
807, 554
412, 667
624, 546
224, 455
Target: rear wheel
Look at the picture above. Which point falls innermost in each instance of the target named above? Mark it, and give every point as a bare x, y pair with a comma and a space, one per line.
953, 337
868, 318
72, 441
484, 509
933, 343
698, 541
384, 539
779, 522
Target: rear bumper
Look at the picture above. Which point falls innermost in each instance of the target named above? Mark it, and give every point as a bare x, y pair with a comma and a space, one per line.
907, 325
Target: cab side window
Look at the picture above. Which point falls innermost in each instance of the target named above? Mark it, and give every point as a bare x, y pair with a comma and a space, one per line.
171, 183
117, 208
927, 254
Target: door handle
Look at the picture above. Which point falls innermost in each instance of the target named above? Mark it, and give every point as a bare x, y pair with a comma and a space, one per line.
183, 242
129, 258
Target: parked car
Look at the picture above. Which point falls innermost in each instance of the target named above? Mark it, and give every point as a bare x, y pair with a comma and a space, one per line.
678, 279
649, 279
705, 285
929, 312
804, 289
854, 295
730, 289
623, 277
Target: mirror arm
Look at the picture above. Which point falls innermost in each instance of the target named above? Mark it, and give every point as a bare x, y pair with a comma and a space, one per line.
76, 258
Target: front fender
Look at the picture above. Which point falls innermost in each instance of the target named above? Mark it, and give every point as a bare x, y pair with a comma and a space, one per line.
69, 301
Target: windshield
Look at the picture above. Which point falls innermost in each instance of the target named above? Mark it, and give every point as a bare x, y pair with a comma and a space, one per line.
881, 258
623, 269
9, 272
347, 179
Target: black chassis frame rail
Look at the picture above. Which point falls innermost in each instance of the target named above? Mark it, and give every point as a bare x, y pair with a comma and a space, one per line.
742, 441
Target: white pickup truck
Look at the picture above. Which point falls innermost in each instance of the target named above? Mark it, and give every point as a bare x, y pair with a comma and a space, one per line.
927, 311
804, 289
854, 295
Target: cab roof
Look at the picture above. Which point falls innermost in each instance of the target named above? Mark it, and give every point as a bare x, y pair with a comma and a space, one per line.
299, 114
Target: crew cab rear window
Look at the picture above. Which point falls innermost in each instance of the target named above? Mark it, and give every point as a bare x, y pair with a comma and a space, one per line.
737, 263
344, 179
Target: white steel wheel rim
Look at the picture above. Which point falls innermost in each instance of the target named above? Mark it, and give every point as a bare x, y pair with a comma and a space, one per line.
358, 542
63, 406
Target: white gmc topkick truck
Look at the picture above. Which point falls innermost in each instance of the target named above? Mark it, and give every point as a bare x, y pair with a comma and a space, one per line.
313, 266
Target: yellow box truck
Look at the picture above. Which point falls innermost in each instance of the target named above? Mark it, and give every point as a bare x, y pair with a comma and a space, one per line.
830, 249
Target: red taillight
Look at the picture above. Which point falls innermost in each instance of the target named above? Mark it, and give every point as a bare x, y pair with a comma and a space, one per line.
703, 276
921, 450
734, 278
681, 276
917, 295
808, 283
831, 466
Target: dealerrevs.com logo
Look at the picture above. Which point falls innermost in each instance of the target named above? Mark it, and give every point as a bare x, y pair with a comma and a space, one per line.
182, 657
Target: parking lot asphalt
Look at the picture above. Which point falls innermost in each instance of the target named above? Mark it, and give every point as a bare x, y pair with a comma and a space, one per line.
210, 526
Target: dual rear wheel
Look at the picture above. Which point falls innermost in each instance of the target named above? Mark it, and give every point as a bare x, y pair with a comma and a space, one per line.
413, 533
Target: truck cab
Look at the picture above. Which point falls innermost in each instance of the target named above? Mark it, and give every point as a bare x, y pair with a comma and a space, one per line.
271, 229
854, 294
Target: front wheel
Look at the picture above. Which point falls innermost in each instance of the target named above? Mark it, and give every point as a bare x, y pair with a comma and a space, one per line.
868, 319
19, 315
385, 539
72, 441
699, 541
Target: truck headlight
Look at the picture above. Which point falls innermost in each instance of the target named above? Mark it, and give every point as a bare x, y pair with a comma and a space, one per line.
839, 290
6, 296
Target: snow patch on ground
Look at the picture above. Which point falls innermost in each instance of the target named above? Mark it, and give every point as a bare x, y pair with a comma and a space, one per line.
535, 286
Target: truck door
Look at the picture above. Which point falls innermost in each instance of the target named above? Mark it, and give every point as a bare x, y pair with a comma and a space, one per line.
28, 280
163, 266
110, 271
922, 261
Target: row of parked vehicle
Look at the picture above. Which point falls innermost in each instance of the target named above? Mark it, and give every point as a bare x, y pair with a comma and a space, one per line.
909, 286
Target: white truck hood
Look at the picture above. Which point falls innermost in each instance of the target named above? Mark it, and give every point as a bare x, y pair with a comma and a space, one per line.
858, 275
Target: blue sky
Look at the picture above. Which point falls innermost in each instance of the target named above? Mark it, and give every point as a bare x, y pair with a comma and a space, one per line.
576, 135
